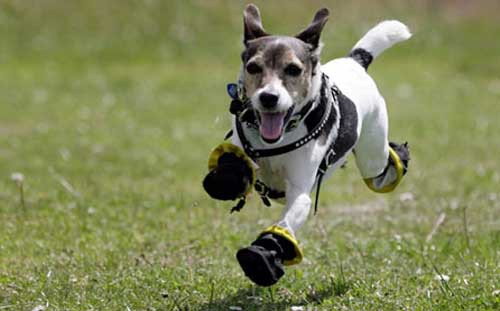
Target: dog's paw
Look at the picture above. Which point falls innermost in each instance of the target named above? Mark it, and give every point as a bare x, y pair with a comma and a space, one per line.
230, 179
261, 265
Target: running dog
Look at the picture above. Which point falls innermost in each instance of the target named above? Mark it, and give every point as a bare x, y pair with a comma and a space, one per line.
295, 122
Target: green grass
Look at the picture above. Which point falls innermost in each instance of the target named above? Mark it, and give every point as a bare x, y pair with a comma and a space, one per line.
110, 108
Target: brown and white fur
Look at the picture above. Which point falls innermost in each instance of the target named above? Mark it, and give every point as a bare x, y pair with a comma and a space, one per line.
281, 73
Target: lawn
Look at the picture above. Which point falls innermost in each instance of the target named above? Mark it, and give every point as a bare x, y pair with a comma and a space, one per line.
110, 108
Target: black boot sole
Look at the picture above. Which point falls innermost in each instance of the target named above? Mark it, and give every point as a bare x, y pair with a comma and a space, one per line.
256, 263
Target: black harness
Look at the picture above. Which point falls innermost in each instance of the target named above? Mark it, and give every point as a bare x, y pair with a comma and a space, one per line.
333, 107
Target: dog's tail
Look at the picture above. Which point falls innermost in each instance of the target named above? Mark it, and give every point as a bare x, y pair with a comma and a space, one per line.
378, 39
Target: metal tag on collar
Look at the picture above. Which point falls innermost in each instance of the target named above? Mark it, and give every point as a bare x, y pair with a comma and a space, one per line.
232, 90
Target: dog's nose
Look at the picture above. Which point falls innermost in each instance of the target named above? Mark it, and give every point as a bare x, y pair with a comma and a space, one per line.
268, 100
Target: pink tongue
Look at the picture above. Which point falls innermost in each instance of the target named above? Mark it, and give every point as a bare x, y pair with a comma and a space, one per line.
271, 125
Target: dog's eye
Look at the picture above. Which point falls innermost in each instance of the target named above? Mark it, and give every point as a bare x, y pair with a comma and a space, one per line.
293, 70
253, 68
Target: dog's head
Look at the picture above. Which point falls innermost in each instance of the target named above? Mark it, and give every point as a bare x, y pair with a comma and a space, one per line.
280, 73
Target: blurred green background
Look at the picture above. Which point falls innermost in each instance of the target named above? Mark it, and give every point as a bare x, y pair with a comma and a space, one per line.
110, 108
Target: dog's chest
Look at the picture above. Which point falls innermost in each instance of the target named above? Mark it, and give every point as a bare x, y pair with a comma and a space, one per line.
273, 172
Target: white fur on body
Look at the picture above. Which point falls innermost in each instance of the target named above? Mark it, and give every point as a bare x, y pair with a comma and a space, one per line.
295, 172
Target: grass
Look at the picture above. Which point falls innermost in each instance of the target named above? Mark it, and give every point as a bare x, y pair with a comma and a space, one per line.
109, 110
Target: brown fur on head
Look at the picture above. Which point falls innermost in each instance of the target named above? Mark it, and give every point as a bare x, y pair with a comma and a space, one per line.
279, 72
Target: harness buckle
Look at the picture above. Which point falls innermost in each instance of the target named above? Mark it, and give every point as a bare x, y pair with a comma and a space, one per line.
261, 188
293, 123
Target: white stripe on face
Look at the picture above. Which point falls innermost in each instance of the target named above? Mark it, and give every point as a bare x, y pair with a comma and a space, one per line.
273, 86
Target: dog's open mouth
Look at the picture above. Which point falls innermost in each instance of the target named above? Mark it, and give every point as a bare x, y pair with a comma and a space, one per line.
272, 125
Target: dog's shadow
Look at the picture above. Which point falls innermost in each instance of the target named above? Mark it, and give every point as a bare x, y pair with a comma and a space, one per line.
258, 298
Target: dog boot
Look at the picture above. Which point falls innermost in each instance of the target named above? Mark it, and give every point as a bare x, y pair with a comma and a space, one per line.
263, 261
231, 174
397, 166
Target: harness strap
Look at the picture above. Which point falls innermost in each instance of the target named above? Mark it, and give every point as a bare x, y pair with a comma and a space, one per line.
346, 138
267, 193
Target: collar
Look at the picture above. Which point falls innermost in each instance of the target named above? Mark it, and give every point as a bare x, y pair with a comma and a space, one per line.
316, 122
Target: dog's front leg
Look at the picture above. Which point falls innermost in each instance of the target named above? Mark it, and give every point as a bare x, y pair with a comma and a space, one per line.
300, 181
298, 205
276, 246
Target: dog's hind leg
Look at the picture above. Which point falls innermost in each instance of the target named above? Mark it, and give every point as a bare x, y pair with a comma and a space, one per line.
382, 163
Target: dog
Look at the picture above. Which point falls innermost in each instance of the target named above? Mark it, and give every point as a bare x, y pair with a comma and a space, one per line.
295, 122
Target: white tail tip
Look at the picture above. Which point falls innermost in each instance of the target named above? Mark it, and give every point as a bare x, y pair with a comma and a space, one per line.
383, 36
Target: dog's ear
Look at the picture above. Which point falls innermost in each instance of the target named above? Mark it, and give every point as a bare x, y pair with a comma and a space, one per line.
312, 33
252, 24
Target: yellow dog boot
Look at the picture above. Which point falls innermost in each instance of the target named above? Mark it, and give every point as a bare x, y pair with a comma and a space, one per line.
231, 173
397, 166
